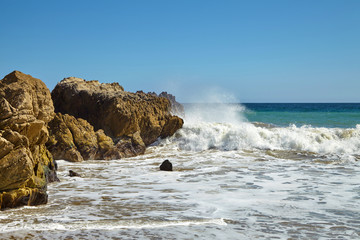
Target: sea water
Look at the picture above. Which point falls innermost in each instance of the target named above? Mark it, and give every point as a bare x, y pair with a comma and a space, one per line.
251, 171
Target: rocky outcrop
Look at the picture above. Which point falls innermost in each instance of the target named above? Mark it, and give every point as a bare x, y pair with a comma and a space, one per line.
176, 108
129, 118
74, 139
26, 166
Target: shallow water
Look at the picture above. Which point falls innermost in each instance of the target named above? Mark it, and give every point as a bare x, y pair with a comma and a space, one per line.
210, 195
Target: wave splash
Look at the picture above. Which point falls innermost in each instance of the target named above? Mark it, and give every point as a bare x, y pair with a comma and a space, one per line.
224, 128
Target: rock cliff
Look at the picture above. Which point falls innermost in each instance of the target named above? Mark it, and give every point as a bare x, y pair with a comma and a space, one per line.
26, 166
136, 118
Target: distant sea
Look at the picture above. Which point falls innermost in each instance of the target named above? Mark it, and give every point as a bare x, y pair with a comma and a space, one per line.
241, 171
343, 115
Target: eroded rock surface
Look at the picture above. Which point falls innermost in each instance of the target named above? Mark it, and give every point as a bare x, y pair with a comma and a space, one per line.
128, 118
25, 164
74, 139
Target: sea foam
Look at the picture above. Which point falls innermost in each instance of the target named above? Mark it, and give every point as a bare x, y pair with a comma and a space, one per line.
223, 127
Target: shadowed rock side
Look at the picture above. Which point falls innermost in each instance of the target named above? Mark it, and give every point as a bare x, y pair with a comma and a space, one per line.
74, 139
138, 117
176, 108
26, 166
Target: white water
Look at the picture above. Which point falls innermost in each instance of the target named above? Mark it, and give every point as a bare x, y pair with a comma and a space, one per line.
231, 180
246, 136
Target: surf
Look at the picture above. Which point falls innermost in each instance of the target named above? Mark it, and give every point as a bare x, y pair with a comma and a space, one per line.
224, 127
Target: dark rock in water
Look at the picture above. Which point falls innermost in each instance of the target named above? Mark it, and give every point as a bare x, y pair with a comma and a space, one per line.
175, 107
166, 166
73, 174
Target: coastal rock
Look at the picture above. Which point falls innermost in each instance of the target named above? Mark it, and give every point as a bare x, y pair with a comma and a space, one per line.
74, 139
22, 196
126, 117
176, 108
25, 164
166, 166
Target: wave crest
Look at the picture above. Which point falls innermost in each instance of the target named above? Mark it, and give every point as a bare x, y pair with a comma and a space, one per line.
202, 136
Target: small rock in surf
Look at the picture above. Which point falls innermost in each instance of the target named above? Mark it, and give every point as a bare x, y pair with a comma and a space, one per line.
166, 166
73, 174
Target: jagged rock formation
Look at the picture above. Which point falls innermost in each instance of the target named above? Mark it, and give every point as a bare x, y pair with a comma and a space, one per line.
124, 124
139, 117
176, 108
26, 166
74, 139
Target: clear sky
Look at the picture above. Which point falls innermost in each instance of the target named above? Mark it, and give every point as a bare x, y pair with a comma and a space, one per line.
246, 51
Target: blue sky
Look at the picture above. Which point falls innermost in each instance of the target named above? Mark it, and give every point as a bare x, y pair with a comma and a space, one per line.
246, 51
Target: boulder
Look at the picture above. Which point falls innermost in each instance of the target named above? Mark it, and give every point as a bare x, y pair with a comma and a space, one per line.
166, 166
73, 174
125, 117
74, 139
26, 166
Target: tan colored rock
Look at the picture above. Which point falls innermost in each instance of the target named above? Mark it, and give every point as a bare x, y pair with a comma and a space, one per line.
25, 164
119, 113
74, 139
21, 197
28, 95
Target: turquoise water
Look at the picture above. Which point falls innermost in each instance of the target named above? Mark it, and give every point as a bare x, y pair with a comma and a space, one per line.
341, 115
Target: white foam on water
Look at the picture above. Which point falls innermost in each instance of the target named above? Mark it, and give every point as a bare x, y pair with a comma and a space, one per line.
224, 185
210, 193
223, 127
221, 136
110, 225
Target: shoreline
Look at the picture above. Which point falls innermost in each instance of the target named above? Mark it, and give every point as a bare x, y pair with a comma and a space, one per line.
79, 120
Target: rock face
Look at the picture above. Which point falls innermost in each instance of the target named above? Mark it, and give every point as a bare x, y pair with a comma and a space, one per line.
74, 139
25, 164
131, 118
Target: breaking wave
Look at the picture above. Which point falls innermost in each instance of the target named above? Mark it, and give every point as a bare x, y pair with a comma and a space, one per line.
224, 128
222, 136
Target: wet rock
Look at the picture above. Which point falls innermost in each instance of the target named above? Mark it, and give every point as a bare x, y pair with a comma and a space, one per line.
73, 174
166, 166
26, 166
22, 196
122, 115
